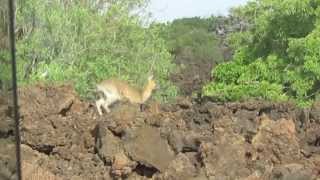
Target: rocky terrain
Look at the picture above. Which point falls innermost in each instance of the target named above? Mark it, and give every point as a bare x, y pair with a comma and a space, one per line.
65, 138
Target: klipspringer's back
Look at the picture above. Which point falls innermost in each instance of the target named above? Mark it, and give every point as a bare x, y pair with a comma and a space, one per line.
120, 89
114, 90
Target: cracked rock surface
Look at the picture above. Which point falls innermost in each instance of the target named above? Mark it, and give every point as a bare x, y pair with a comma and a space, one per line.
64, 138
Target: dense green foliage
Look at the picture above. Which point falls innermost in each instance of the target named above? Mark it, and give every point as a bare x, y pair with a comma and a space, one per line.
78, 42
195, 36
277, 58
5, 66
195, 49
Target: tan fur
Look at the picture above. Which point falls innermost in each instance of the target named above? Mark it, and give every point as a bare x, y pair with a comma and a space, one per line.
117, 90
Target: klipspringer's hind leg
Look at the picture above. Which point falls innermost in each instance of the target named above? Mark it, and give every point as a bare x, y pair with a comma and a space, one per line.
109, 101
106, 107
100, 103
104, 101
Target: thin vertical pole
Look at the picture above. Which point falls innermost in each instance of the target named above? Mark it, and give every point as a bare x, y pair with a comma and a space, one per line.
14, 86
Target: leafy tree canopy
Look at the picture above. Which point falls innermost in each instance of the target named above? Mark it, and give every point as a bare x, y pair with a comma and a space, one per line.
86, 41
277, 58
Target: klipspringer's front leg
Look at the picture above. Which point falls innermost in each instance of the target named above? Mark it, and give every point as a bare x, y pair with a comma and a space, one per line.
100, 103
106, 106
141, 107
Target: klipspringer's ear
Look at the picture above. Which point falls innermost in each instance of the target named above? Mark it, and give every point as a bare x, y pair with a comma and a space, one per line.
150, 77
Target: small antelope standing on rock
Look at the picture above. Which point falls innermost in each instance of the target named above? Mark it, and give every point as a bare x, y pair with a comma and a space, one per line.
115, 90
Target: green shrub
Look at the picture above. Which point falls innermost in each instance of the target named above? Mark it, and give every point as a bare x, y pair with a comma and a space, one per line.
194, 34
5, 65
277, 58
77, 43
